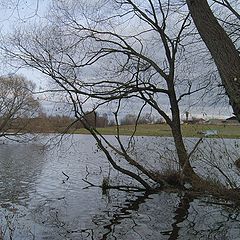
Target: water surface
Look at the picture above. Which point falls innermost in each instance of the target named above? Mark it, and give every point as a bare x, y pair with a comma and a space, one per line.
39, 201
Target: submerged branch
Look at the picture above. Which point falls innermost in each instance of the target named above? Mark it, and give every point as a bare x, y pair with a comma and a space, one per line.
118, 187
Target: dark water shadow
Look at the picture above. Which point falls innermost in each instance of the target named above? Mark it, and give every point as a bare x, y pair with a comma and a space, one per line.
123, 213
191, 218
181, 214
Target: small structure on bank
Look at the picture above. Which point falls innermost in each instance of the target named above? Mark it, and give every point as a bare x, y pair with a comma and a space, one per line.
209, 133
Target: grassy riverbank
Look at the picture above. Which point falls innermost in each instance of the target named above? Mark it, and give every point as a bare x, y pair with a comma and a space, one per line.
163, 130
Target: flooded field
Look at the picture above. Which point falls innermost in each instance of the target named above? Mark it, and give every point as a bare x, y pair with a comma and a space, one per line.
43, 196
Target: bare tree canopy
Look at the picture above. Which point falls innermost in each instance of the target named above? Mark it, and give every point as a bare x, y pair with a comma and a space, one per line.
108, 54
113, 52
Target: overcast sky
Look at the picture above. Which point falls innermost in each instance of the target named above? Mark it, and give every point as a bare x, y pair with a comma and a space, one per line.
12, 14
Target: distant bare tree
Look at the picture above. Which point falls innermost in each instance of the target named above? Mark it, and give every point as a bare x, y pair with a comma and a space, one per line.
146, 119
129, 119
17, 105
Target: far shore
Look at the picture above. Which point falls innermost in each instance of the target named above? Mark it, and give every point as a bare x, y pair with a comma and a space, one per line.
163, 130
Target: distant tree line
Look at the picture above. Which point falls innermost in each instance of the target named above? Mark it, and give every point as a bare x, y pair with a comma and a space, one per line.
61, 123
132, 119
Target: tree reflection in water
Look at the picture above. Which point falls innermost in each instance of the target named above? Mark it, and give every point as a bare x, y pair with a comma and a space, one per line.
181, 214
124, 212
39, 204
148, 218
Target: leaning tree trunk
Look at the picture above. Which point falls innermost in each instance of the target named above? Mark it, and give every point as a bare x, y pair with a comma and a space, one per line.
187, 171
222, 49
183, 157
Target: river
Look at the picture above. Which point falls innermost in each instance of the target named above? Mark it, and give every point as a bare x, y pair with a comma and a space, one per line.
43, 196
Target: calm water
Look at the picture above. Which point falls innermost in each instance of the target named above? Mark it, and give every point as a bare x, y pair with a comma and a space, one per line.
38, 201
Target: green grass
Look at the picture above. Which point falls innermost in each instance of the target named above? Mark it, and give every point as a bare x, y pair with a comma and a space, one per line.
163, 130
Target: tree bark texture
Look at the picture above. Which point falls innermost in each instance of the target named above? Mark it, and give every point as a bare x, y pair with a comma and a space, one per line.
182, 153
222, 49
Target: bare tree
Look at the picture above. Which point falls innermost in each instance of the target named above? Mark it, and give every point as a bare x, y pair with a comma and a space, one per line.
113, 53
221, 47
17, 105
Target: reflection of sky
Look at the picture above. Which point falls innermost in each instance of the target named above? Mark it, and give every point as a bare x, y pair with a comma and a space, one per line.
59, 206
17, 180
